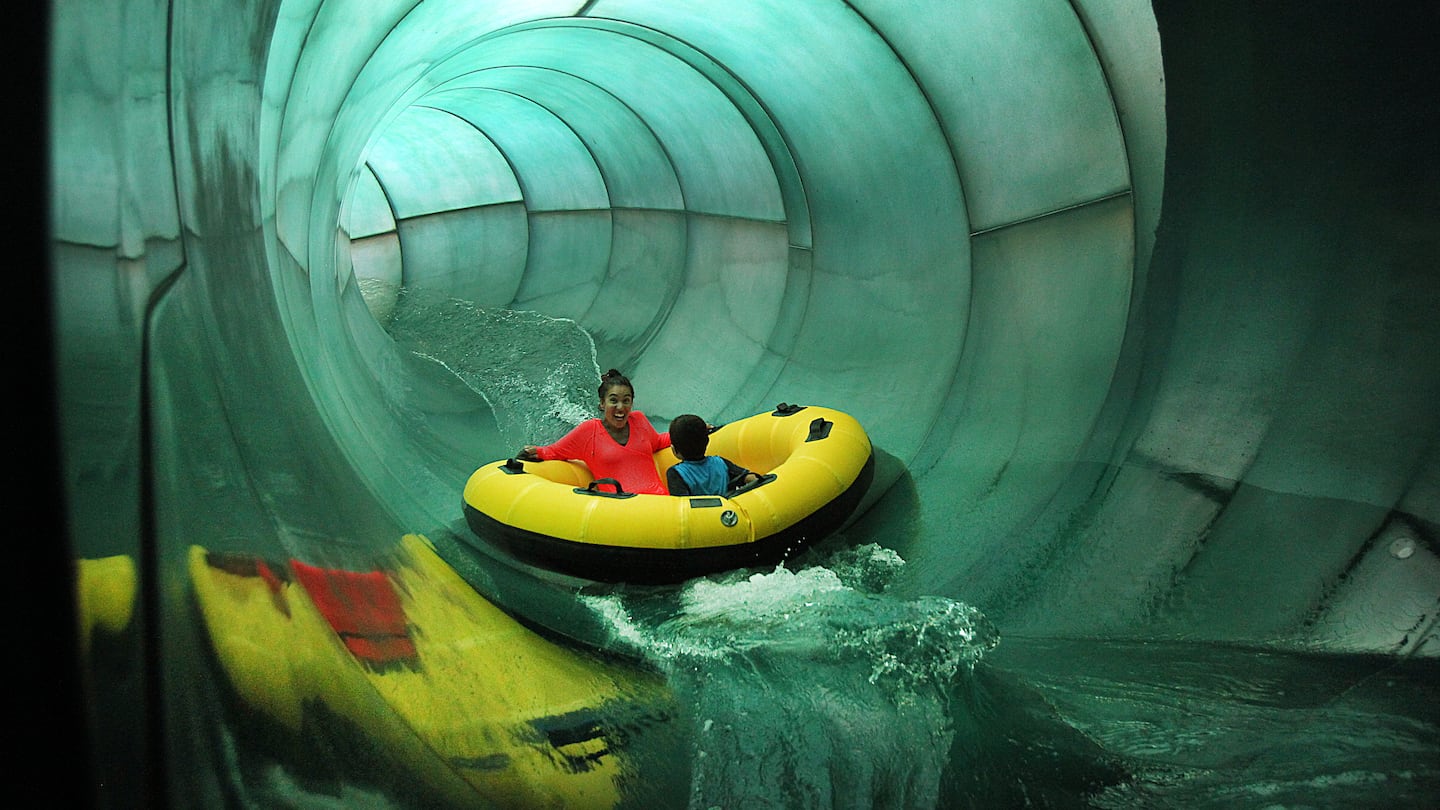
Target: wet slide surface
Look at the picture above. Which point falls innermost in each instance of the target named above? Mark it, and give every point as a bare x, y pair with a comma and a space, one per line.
1136, 305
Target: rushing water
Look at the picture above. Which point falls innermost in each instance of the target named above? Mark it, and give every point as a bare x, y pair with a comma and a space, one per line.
811, 686
537, 373
808, 687
1203, 726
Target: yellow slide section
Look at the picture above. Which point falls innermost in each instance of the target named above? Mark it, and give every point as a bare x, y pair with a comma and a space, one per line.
105, 591
479, 707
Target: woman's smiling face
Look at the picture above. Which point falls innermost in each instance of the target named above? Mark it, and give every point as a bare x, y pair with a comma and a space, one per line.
615, 406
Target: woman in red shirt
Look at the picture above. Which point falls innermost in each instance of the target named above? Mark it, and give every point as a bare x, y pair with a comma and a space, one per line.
620, 444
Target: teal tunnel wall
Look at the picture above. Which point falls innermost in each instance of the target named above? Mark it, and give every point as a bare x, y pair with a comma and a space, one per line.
1137, 303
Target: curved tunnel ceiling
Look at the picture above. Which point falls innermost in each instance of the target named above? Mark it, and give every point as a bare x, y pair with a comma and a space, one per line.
716, 177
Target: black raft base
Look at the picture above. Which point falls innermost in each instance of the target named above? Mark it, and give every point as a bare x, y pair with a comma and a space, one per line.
663, 566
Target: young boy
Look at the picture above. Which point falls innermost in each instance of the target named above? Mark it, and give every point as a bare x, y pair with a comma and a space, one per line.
697, 473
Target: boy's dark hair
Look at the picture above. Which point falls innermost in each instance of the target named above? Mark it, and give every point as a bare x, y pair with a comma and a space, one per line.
690, 436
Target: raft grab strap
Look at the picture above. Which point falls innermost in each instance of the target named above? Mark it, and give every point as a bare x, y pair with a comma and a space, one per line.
784, 409
759, 482
513, 466
594, 489
819, 429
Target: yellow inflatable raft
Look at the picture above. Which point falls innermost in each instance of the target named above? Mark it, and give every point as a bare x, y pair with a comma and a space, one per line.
815, 465
477, 709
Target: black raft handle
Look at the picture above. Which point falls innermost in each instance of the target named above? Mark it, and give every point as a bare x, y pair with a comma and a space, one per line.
594, 489
819, 429
756, 484
784, 409
513, 466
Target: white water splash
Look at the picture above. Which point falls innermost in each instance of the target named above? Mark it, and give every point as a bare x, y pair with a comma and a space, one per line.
805, 690
538, 373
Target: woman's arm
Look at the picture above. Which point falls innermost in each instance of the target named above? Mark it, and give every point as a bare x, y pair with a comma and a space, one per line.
578, 445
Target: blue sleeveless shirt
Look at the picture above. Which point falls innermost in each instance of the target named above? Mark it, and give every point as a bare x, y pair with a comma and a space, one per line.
708, 476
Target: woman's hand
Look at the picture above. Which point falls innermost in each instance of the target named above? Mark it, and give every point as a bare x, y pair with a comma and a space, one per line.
528, 453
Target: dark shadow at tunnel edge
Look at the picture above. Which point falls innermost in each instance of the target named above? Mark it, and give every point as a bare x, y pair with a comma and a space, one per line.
45, 672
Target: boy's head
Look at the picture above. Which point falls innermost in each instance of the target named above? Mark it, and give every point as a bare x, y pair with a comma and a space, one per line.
689, 436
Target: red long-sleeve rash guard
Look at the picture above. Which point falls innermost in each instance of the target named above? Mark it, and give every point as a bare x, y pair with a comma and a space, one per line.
632, 464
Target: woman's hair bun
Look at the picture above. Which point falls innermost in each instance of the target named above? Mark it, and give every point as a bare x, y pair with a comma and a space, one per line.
613, 378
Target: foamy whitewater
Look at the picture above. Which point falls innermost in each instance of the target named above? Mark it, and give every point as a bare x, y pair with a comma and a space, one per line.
808, 686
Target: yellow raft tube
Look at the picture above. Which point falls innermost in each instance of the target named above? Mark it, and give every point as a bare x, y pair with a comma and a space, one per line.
815, 465
475, 708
